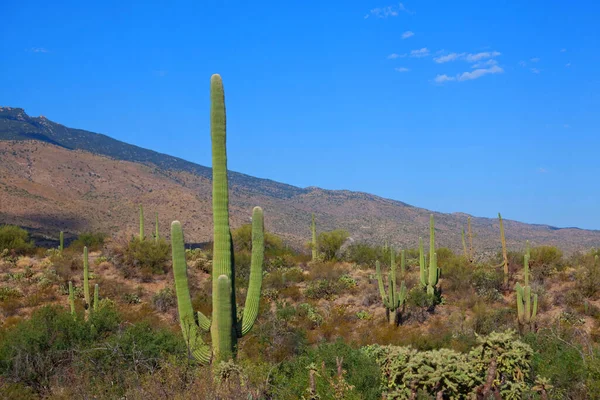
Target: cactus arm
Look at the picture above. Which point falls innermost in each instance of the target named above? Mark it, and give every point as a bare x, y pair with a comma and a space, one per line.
71, 298
402, 264
422, 266
61, 245
526, 269
255, 283
86, 276
224, 347
141, 222
380, 284
199, 350
520, 311
402, 296
203, 322
464, 244
527, 308
535, 307
95, 297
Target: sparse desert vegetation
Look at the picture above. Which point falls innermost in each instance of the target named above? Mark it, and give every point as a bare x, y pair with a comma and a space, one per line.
138, 316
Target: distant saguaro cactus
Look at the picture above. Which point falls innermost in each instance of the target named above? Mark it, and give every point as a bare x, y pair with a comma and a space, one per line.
394, 300
61, 239
141, 222
527, 302
313, 245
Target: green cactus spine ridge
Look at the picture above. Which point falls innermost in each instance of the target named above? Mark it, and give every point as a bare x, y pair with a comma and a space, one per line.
313, 245
86, 278
394, 299
224, 327
527, 302
61, 240
71, 298
141, 237
156, 234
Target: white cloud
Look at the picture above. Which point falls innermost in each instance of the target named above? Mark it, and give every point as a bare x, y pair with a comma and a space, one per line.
535, 70
522, 63
389, 11
447, 58
444, 78
480, 56
38, 50
485, 64
402, 69
542, 170
407, 34
478, 73
424, 52
535, 59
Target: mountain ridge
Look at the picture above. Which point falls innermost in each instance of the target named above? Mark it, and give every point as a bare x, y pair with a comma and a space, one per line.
56, 156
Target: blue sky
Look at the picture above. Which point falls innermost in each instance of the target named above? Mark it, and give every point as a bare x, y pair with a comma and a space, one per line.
452, 106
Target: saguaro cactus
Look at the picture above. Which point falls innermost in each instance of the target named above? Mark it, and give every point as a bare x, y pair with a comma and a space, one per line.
464, 243
470, 233
393, 301
313, 246
423, 276
504, 252
433, 272
141, 222
86, 276
526, 311
61, 239
71, 298
225, 328
95, 297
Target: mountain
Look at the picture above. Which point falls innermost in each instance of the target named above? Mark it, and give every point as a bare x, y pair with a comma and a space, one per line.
53, 177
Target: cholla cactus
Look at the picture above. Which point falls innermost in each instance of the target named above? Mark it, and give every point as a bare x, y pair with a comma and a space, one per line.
527, 302
225, 327
394, 300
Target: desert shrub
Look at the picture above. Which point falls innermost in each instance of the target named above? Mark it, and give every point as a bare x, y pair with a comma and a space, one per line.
15, 239
545, 260
488, 282
148, 255
330, 243
324, 289
457, 274
327, 270
588, 277
363, 254
347, 281
487, 319
199, 259
164, 300
93, 241
290, 379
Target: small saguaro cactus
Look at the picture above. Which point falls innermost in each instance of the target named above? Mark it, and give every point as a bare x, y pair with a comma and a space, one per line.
71, 298
86, 276
470, 233
504, 252
527, 302
313, 245
464, 244
225, 327
61, 238
96, 297
394, 300
141, 222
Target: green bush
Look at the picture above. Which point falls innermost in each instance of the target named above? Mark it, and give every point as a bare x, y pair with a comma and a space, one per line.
363, 254
290, 380
324, 289
487, 282
330, 243
148, 255
164, 300
15, 239
93, 241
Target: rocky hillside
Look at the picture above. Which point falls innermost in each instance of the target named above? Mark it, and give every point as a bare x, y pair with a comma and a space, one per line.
53, 177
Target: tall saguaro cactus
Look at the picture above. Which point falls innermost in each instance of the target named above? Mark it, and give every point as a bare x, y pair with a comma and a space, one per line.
464, 244
61, 239
433, 272
225, 328
527, 302
86, 277
470, 233
156, 234
141, 222
313, 245
394, 299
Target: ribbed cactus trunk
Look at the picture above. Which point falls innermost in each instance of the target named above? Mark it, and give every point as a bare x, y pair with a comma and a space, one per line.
313, 229
464, 244
141, 222
527, 302
422, 265
433, 271
71, 298
504, 251
61, 245
395, 298
224, 328
470, 233
95, 308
